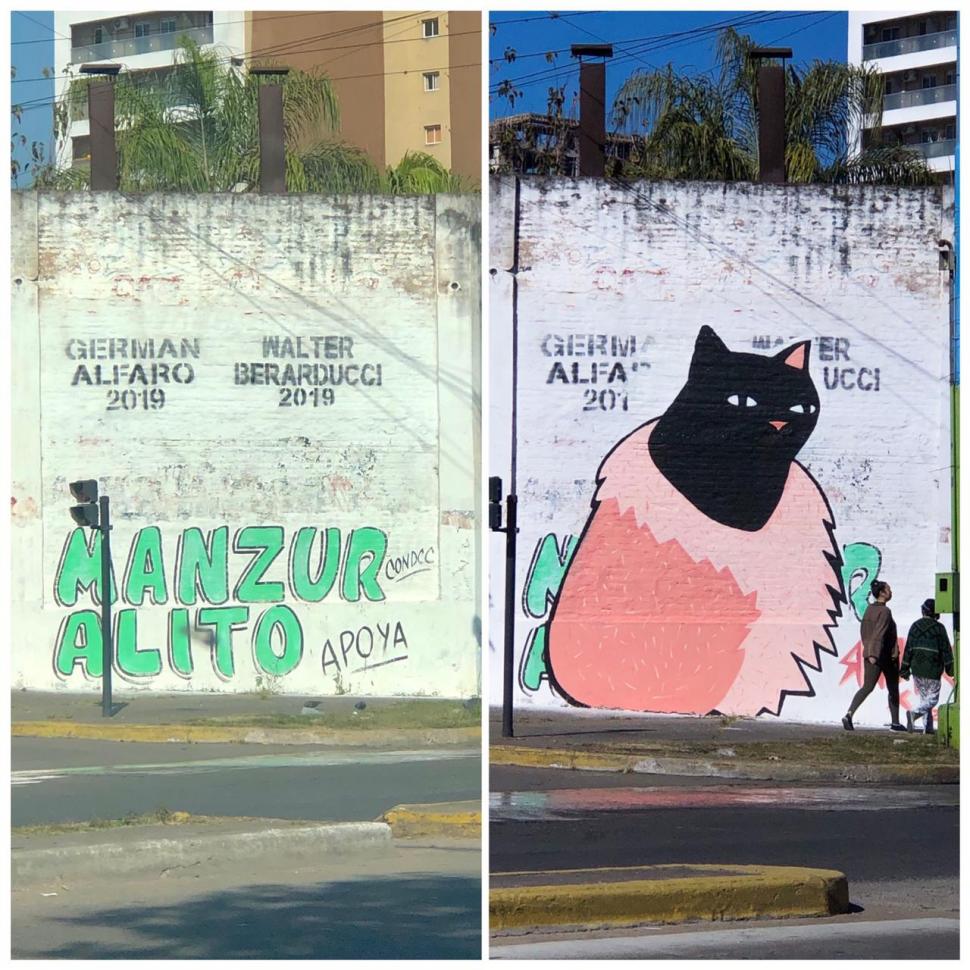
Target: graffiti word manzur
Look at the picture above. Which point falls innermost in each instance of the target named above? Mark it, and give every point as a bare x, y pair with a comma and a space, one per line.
319, 562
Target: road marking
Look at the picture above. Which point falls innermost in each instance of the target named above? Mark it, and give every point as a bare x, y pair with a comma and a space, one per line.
315, 760
654, 944
32, 777
567, 803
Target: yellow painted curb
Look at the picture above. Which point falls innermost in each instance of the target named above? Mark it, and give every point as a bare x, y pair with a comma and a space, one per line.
705, 766
447, 819
757, 891
200, 733
525, 757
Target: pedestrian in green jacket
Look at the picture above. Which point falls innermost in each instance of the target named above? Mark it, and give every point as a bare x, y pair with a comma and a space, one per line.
927, 655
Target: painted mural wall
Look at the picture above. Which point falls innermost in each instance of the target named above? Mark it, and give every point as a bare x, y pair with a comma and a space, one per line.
727, 416
280, 397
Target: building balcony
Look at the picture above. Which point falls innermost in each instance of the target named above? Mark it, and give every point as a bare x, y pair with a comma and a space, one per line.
133, 46
909, 45
936, 149
913, 99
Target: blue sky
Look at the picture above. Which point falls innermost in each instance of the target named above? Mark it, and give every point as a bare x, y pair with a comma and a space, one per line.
32, 49
641, 42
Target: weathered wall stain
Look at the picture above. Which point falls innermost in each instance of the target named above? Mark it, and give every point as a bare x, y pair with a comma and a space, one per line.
653, 578
261, 396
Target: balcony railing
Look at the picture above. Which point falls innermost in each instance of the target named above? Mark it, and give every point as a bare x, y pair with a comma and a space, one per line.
911, 99
133, 46
937, 149
910, 45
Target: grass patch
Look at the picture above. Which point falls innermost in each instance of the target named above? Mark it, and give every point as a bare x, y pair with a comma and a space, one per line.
419, 713
846, 749
161, 816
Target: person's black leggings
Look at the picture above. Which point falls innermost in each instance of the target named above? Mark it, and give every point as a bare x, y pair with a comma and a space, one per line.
873, 670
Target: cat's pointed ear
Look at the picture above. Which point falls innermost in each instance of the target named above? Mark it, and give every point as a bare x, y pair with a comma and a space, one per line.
709, 346
796, 356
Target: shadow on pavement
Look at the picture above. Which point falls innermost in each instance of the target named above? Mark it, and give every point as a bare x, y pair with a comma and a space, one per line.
388, 917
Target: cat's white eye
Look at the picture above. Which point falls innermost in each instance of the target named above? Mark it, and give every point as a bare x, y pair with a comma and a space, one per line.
801, 409
733, 399
750, 402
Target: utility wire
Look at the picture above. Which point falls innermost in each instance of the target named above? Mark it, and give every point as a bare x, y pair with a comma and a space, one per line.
662, 41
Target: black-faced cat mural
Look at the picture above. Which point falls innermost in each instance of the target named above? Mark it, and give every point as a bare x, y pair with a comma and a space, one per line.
707, 574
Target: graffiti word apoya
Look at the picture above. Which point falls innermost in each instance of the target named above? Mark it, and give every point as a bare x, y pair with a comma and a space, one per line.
318, 562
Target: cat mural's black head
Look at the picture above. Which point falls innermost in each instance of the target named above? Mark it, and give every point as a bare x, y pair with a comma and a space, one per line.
728, 440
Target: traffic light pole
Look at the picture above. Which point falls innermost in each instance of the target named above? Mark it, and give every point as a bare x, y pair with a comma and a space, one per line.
106, 639
508, 672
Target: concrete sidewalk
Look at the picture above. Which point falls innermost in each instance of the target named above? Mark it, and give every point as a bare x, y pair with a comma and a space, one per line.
80, 851
723, 747
248, 718
661, 894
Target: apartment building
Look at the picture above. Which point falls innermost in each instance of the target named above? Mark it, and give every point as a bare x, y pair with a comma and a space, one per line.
405, 81
136, 41
917, 54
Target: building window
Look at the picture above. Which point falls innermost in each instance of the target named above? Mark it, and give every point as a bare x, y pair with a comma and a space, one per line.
951, 78
929, 81
167, 27
99, 35
429, 28
432, 134
951, 132
143, 29
890, 33
432, 81
922, 28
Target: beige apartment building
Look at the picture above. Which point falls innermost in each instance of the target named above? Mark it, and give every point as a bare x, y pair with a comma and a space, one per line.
405, 80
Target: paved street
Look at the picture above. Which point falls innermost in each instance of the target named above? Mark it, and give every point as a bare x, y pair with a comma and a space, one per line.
556, 819
72, 780
416, 901
902, 939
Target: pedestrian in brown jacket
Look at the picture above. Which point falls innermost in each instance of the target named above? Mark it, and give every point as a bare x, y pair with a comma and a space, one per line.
880, 652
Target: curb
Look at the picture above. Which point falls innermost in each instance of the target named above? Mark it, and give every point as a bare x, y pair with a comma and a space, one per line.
757, 891
114, 858
448, 820
525, 757
204, 734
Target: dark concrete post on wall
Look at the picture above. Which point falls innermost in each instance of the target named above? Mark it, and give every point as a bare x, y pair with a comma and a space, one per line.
272, 149
771, 114
101, 112
592, 109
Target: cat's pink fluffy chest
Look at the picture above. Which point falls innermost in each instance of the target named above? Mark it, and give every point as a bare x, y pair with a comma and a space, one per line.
665, 609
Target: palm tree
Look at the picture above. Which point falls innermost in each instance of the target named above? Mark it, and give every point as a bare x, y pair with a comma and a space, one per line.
196, 129
705, 127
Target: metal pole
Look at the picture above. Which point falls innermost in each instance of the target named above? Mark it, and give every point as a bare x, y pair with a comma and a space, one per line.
511, 529
272, 156
771, 123
592, 119
104, 158
107, 651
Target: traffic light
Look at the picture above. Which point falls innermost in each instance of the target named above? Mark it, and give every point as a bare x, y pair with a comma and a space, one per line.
495, 503
85, 514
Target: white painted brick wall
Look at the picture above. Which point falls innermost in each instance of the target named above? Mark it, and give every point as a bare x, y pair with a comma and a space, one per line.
654, 262
389, 286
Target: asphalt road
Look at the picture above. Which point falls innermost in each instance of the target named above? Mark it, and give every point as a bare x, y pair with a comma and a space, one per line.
64, 781
899, 848
858, 831
902, 939
413, 902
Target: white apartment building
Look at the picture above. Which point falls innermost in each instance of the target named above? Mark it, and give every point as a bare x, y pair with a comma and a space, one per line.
138, 42
917, 53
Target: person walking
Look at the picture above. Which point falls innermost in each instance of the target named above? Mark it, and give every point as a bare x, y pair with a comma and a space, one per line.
927, 655
880, 652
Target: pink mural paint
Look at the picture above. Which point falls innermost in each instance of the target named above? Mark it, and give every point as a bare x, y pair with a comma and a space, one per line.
707, 577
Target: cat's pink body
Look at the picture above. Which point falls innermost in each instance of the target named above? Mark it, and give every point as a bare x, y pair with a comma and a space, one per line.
663, 609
